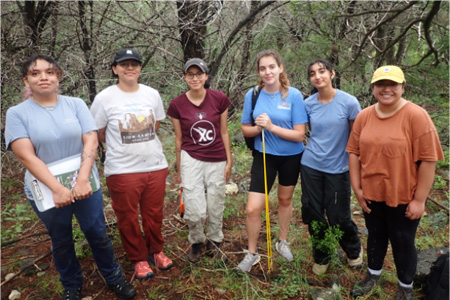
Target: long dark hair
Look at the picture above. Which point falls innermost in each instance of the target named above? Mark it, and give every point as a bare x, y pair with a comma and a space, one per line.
325, 63
284, 80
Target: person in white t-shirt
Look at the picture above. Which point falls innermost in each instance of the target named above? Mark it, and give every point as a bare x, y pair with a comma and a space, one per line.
128, 115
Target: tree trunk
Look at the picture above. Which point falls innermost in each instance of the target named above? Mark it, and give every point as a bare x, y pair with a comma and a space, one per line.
35, 16
85, 44
192, 21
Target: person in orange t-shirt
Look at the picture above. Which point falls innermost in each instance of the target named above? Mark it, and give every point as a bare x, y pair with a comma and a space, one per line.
393, 149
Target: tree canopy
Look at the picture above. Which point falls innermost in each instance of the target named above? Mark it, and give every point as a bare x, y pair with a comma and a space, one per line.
357, 36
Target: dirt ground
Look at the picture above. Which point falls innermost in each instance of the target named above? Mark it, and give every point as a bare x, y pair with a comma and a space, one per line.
46, 286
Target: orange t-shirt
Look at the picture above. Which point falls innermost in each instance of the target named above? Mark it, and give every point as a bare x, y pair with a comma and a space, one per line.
389, 149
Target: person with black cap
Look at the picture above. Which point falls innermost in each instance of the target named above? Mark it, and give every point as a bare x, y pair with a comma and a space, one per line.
203, 156
128, 115
393, 150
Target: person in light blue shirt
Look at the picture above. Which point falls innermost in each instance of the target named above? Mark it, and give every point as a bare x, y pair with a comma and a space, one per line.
46, 128
325, 177
280, 112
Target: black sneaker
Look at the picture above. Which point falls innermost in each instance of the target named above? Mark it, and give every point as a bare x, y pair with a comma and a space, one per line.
74, 294
123, 289
404, 293
212, 248
195, 252
364, 286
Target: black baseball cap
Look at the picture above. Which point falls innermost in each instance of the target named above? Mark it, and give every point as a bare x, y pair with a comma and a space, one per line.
196, 62
125, 54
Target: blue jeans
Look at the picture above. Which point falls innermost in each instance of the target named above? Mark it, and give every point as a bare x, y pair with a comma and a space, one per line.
89, 213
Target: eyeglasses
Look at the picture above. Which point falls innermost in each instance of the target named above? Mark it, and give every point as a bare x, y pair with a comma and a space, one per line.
191, 76
126, 64
392, 85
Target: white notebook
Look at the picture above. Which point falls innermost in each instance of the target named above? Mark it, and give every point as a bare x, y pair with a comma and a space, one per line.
66, 172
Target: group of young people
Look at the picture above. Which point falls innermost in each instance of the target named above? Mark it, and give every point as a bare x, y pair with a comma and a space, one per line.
387, 153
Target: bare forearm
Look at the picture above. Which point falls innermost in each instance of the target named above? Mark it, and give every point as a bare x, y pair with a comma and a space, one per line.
355, 171
90, 145
425, 178
24, 151
294, 135
249, 130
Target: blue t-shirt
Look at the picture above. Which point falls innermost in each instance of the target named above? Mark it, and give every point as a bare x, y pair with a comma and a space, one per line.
55, 134
329, 131
284, 113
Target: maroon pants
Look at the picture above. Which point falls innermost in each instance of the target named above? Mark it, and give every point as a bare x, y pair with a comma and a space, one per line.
133, 194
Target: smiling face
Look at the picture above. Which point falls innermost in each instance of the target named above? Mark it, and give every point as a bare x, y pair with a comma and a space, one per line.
128, 70
388, 92
195, 78
320, 77
269, 70
42, 78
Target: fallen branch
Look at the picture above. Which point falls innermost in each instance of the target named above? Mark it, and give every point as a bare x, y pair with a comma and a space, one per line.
27, 266
4, 244
438, 204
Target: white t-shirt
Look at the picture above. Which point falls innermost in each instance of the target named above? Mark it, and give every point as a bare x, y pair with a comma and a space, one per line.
131, 141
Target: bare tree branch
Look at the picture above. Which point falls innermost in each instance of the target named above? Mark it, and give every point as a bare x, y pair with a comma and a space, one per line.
249, 18
366, 36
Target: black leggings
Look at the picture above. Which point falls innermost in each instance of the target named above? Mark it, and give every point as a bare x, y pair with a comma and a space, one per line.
390, 224
326, 199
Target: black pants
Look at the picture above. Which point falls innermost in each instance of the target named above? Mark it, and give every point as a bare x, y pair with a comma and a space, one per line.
326, 200
390, 224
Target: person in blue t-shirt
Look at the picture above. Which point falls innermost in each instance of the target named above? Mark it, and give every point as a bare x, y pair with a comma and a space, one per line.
280, 112
324, 172
46, 128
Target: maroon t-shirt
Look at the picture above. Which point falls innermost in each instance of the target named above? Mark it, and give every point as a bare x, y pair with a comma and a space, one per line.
200, 125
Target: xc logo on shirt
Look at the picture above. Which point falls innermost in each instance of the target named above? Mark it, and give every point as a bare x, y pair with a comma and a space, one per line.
203, 133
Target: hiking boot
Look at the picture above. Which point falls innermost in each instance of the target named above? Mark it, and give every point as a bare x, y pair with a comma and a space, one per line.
74, 294
404, 293
123, 289
195, 252
161, 261
142, 270
320, 269
284, 250
212, 248
364, 286
248, 262
356, 261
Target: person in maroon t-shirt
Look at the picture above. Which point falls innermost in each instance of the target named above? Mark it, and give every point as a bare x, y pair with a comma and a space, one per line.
199, 117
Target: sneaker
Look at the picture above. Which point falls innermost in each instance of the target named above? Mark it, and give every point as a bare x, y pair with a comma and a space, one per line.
404, 293
212, 248
248, 262
356, 261
320, 269
74, 294
195, 252
364, 286
161, 261
284, 250
142, 270
123, 289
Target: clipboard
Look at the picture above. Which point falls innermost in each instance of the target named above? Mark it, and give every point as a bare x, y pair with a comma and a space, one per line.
66, 172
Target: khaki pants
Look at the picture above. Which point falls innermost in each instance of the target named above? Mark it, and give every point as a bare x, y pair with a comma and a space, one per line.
198, 176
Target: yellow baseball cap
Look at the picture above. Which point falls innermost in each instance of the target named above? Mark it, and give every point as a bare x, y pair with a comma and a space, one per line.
388, 73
